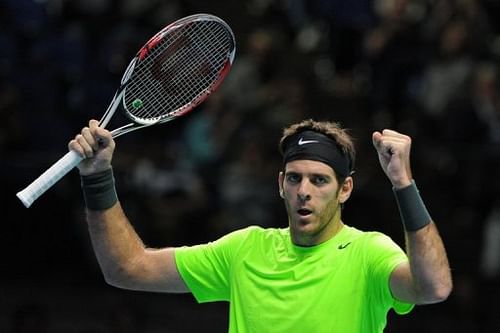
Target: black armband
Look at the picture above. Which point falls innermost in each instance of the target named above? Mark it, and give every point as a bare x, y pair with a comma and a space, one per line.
414, 214
99, 190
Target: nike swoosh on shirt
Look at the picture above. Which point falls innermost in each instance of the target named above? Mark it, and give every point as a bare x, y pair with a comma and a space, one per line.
343, 246
304, 142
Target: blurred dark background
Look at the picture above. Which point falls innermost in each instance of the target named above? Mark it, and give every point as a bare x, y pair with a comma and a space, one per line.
428, 68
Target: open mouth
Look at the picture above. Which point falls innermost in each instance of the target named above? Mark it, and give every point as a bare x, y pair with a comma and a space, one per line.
304, 212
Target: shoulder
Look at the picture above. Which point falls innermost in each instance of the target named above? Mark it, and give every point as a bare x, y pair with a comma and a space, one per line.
372, 243
250, 235
257, 233
367, 237
257, 240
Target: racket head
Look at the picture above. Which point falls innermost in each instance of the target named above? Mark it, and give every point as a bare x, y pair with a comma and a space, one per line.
178, 68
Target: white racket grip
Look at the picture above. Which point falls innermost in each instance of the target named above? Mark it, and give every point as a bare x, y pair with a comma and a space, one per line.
49, 178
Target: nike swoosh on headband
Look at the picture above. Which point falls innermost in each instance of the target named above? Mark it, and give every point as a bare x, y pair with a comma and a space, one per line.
304, 142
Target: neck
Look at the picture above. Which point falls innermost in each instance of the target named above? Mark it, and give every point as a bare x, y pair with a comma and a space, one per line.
329, 231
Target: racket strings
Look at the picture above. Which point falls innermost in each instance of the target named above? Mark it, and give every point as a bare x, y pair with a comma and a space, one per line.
178, 70
177, 76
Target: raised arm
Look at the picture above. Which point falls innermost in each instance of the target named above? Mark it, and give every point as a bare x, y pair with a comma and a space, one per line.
426, 278
124, 259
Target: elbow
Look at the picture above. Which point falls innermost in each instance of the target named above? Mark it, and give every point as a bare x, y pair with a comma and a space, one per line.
117, 278
112, 281
444, 292
438, 294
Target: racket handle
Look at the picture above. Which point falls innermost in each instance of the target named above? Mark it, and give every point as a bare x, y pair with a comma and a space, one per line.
49, 178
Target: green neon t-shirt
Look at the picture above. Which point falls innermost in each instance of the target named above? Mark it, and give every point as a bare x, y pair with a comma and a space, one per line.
341, 285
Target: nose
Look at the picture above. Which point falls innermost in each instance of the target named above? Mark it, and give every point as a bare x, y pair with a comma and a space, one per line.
303, 192
304, 197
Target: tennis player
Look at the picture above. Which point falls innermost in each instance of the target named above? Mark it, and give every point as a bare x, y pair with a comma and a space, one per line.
317, 275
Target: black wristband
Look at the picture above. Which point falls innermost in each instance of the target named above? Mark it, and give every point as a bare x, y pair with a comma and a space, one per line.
99, 190
414, 214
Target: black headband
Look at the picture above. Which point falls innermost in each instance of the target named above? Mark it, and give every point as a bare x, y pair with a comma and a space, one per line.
311, 145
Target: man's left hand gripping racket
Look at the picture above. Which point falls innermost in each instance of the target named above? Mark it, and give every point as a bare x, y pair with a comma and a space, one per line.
176, 70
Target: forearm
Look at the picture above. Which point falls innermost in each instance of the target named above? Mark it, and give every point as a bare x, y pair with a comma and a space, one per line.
116, 244
123, 258
429, 277
429, 267
426, 277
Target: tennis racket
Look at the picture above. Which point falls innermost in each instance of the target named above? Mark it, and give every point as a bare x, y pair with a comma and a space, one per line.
176, 70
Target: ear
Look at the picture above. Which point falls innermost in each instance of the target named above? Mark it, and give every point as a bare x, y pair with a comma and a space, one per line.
281, 178
346, 189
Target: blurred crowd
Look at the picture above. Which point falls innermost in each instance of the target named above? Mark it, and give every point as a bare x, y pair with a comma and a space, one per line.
427, 68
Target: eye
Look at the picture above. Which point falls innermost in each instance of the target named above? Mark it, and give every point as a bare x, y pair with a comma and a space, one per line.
319, 180
293, 178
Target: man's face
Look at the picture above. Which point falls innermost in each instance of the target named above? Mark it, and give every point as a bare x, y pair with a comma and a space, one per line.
312, 198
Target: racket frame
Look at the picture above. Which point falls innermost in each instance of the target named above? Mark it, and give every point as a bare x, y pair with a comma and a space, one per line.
71, 159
